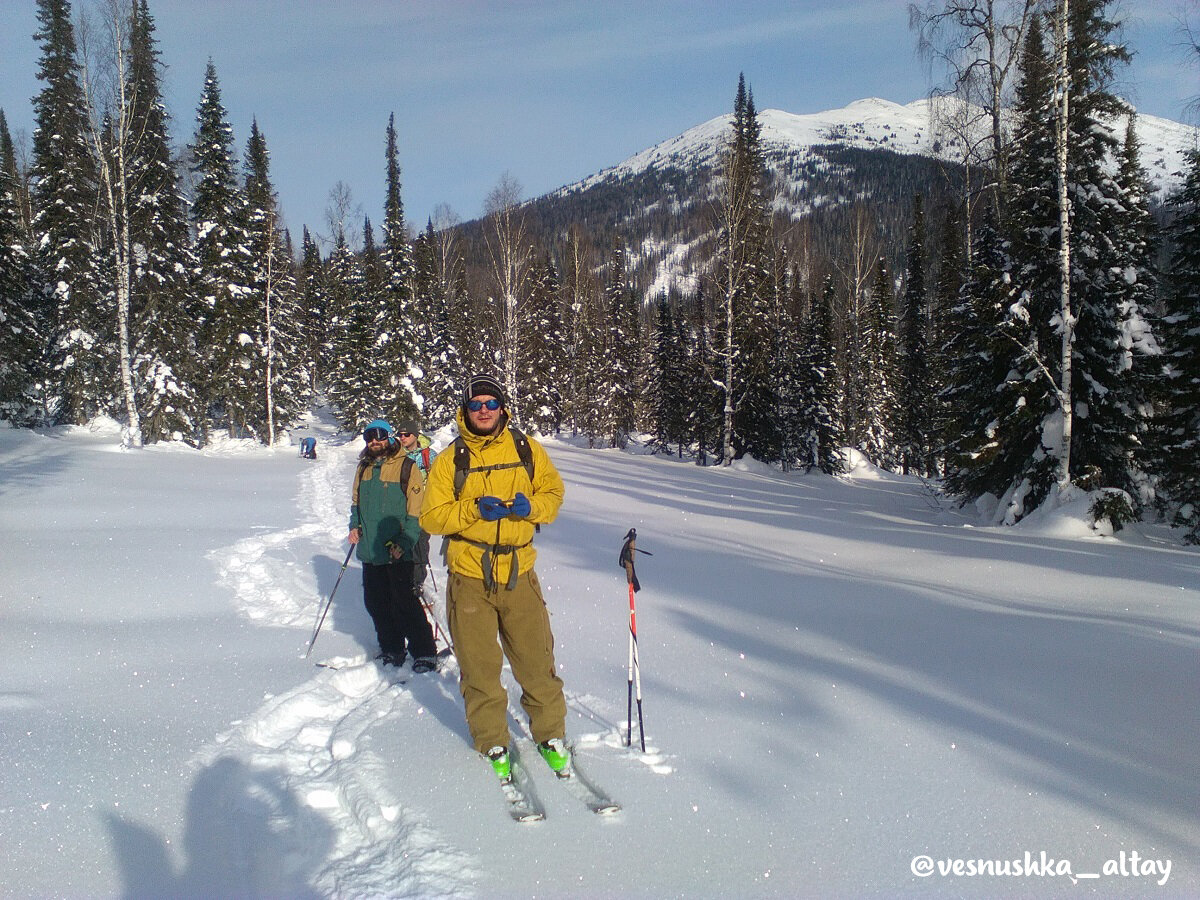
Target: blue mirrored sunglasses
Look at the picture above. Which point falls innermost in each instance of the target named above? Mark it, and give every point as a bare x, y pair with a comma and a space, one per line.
376, 434
476, 405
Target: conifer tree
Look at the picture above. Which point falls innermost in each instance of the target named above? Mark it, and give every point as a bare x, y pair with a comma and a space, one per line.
164, 310
876, 397
442, 382
543, 363
272, 304
991, 431
1107, 421
948, 283
351, 348
1176, 448
743, 266
998, 447
823, 436
64, 193
399, 323
579, 298
914, 415
20, 344
313, 310
621, 374
223, 277
668, 385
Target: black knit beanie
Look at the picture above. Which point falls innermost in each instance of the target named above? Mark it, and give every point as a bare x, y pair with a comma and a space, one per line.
484, 385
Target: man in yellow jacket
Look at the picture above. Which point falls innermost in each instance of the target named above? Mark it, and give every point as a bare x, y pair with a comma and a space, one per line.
493, 600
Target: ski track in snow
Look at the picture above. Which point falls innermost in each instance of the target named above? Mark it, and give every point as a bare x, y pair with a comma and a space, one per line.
305, 748
305, 743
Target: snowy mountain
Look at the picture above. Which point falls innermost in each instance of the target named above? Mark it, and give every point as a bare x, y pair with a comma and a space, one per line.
659, 201
871, 124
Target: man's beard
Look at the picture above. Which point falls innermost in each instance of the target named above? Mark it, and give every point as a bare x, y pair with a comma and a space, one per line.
495, 429
385, 450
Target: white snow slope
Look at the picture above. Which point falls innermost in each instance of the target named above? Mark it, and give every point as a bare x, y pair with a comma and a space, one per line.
877, 124
846, 684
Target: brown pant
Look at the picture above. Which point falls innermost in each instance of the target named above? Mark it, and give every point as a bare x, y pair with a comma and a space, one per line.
520, 620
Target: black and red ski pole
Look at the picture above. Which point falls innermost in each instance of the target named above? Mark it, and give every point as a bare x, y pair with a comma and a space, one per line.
628, 549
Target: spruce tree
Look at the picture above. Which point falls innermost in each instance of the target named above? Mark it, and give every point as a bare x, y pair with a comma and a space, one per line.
823, 438
914, 413
313, 310
668, 385
1176, 448
352, 384
278, 363
441, 383
743, 275
164, 310
1107, 420
621, 375
876, 412
81, 376
20, 344
224, 278
399, 324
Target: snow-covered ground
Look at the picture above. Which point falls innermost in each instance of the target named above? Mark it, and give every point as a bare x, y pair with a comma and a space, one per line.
844, 682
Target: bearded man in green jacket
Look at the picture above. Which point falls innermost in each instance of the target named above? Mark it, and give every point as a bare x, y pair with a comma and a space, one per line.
386, 500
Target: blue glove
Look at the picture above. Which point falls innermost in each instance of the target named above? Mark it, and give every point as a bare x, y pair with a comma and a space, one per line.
520, 506
492, 508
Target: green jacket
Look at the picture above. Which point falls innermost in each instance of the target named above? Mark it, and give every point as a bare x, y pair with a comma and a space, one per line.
384, 512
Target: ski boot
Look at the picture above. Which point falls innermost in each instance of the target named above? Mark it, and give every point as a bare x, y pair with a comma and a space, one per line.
557, 756
501, 763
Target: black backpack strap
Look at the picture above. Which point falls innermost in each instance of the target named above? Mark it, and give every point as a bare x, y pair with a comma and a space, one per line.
462, 462
523, 450
405, 473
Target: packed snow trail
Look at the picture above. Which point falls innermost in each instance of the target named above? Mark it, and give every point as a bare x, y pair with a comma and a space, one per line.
320, 744
312, 742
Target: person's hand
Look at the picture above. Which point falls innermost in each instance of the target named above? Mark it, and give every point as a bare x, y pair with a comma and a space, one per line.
492, 509
355, 535
520, 506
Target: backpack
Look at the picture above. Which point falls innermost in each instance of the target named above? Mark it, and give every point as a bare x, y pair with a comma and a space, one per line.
405, 472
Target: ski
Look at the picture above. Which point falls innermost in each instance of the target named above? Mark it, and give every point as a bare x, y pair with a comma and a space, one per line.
581, 786
524, 805
587, 791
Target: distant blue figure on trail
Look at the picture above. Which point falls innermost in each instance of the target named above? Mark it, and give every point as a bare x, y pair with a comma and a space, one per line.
308, 448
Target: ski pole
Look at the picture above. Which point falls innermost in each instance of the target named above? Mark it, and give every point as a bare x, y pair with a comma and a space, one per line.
437, 626
635, 676
321, 621
635, 668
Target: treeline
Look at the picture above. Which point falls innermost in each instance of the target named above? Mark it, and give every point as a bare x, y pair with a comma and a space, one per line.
926, 321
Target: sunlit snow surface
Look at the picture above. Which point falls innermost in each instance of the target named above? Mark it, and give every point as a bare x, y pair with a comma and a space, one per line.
840, 675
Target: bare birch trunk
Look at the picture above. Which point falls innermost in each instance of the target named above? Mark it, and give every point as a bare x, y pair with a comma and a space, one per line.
113, 167
1064, 252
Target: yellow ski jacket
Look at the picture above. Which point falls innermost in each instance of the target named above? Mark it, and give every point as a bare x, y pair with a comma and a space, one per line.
478, 548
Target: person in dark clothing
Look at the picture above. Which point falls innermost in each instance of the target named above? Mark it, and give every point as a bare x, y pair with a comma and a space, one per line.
386, 501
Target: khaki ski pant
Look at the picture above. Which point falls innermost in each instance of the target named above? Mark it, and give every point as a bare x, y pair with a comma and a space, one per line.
519, 620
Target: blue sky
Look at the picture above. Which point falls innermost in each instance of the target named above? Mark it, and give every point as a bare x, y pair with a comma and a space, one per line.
548, 91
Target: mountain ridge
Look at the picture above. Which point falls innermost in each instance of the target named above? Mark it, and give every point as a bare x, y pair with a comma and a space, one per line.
873, 123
